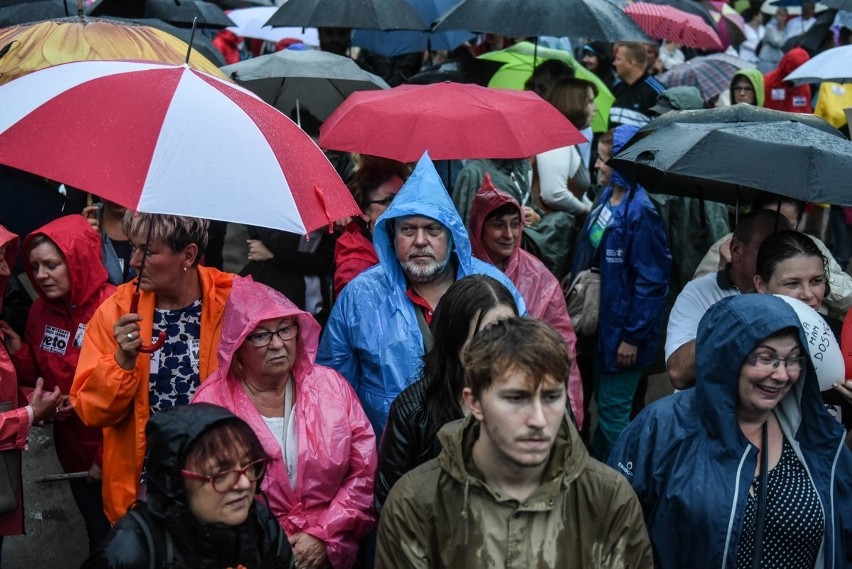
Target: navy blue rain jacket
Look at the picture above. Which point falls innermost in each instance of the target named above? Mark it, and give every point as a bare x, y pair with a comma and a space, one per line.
691, 465
635, 265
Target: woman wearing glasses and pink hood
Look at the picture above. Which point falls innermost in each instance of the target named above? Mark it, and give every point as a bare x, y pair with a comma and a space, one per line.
701, 459
319, 483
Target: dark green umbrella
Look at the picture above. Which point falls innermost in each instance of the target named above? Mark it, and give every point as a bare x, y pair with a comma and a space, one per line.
798, 156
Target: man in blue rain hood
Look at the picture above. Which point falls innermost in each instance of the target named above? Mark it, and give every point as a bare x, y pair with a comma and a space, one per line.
379, 329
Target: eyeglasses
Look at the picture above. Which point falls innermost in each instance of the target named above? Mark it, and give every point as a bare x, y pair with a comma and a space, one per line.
227, 479
770, 363
262, 339
384, 201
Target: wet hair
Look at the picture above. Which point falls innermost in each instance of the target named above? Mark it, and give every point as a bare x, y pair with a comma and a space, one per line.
372, 175
226, 443
634, 51
520, 344
176, 231
556, 69
784, 245
443, 371
41, 239
760, 222
571, 98
505, 209
608, 138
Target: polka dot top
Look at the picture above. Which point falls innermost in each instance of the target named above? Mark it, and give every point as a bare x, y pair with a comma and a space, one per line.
794, 527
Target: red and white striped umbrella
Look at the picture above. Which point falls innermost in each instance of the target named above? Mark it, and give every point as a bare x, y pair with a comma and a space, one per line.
169, 139
667, 23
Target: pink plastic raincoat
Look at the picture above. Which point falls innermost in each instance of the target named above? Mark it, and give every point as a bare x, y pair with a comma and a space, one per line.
333, 497
540, 289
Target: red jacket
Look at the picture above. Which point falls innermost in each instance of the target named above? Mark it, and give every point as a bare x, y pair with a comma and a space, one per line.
782, 95
14, 423
353, 254
54, 333
537, 285
846, 344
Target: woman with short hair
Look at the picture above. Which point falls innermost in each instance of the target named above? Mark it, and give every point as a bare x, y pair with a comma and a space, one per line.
117, 385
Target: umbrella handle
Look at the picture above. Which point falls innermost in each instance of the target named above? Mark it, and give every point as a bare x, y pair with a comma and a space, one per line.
161, 337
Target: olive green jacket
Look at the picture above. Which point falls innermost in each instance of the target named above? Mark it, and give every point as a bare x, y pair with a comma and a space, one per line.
443, 514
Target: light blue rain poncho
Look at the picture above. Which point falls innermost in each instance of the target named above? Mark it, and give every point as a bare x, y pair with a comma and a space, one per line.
372, 337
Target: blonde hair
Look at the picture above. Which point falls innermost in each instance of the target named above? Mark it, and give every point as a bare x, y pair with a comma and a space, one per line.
173, 230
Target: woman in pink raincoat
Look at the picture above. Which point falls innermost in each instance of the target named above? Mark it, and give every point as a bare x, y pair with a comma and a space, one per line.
319, 484
496, 230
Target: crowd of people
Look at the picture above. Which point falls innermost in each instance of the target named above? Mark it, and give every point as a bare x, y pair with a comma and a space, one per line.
407, 388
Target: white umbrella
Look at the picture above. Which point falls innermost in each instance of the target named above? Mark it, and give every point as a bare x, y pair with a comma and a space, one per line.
833, 64
250, 24
161, 138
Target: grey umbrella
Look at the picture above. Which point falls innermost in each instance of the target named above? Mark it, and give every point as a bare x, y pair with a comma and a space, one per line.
176, 12
363, 14
14, 12
592, 19
319, 81
795, 156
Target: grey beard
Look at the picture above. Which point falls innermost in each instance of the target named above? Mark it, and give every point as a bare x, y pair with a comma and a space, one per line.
425, 274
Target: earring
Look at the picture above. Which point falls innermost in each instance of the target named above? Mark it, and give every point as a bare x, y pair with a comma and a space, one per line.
184, 268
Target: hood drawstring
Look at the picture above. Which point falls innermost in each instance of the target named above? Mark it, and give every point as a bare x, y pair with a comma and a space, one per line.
464, 515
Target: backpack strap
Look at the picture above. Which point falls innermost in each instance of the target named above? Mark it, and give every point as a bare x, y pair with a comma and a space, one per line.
149, 539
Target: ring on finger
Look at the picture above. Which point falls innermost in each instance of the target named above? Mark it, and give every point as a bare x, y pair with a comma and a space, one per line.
130, 335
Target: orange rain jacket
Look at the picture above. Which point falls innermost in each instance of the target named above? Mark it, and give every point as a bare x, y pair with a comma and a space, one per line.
107, 396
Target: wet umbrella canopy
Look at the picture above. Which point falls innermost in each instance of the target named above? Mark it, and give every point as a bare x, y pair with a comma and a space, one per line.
593, 19
30, 47
727, 162
365, 14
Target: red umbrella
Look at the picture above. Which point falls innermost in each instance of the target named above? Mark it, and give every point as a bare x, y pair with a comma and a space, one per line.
670, 24
450, 120
169, 139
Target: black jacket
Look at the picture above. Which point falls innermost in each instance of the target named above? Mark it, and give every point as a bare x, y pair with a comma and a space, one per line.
257, 543
409, 439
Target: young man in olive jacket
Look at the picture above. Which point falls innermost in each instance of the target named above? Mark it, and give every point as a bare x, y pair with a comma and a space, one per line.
514, 485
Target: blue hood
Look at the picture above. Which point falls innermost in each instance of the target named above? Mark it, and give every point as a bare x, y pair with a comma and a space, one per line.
423, 194
727, 333
621, 135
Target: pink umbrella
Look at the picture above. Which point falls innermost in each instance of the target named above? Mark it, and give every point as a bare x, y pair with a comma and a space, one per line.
169, 139
450, 120
670, 24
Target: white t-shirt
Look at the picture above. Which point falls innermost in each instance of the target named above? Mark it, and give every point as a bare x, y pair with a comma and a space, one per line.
287, 437
693, 301
555, 168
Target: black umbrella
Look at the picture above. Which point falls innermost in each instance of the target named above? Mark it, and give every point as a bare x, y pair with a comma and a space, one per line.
177, 12
14, 12
363, 14
813, 39
592, 19
729, 161
200, 42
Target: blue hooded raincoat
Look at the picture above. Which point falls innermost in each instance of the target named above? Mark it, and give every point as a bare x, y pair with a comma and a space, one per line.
372, 337
691, 465
635, 265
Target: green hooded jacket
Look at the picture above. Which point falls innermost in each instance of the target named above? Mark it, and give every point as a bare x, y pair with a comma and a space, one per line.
444, 514
755, 77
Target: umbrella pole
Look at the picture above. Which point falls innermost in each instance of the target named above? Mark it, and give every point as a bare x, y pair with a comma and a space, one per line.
134, 302
191, 39
535, 52
298, 114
